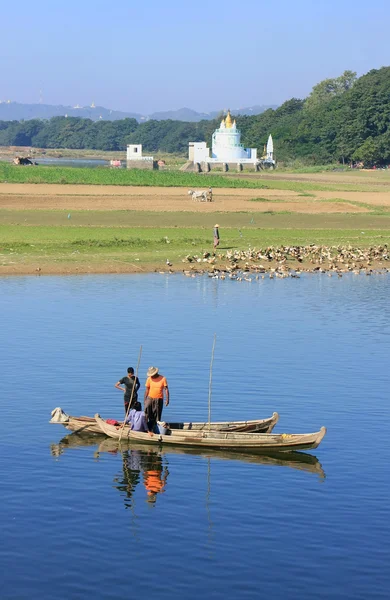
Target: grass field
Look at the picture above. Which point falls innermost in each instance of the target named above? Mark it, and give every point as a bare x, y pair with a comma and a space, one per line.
107, 248
51, 228
122, 177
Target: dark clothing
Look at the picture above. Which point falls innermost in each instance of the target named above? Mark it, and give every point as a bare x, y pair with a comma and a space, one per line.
153, 411
129, 383
127, 407
216, 237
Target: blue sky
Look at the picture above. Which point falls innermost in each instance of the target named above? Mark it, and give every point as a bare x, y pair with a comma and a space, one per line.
166, 54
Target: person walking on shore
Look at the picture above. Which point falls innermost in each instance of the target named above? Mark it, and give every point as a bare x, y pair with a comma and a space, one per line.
130, 382
156, 387
216, 236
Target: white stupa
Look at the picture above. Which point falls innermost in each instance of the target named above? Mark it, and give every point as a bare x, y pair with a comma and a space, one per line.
226, 146
267, 159
270, 148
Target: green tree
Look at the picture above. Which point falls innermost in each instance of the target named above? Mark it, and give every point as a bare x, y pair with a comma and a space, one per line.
329, 88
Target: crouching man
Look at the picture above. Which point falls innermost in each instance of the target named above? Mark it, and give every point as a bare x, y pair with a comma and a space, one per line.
137, 419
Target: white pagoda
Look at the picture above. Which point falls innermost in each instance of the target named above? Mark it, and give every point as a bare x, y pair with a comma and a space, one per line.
226, 147
268, 156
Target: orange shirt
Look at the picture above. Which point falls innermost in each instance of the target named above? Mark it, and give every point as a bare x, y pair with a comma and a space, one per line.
153, 483
156, 386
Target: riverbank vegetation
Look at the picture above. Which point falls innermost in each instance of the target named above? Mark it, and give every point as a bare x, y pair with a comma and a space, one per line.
50, 242
344, 119
135, 177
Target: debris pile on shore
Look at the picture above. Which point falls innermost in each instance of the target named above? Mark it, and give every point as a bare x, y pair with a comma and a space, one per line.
289, 261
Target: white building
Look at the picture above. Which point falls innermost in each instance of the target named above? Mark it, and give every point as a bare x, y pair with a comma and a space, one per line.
134, 152
226, 147
135, 159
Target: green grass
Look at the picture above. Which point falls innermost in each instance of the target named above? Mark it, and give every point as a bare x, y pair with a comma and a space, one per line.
315, 168
278, 200
33, 239
187, 221
105, 176
76, 245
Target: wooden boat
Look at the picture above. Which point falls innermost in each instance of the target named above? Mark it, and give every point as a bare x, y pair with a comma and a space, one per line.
89, 425
253, 442
254, 426
82, 425
301, 461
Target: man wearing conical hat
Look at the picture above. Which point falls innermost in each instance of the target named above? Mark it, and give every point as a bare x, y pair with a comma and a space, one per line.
156, 387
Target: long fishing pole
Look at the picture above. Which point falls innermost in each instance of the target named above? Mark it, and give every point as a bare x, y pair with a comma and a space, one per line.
132, 393
211, 377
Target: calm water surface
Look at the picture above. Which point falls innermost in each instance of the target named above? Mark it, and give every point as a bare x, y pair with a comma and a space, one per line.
81, 518
72, 162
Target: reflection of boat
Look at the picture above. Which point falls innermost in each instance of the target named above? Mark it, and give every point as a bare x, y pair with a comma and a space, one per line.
253, 442
89, 425
301, 461
73, 440
295, 460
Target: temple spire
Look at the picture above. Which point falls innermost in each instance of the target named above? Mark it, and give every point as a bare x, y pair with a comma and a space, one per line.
228, 121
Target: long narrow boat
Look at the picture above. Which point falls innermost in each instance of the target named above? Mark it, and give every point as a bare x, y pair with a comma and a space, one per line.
83, 425
89, 425
253, 442
302, 461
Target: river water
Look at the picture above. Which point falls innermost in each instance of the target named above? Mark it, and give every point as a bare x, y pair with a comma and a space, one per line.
81, 518
72, 162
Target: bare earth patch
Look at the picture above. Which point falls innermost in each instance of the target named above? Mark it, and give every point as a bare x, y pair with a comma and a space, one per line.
89, 197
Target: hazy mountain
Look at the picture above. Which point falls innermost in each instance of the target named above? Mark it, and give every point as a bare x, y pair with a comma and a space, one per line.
14, 111
182, 114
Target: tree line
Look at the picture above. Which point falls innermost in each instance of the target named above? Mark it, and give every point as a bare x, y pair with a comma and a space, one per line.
343, 119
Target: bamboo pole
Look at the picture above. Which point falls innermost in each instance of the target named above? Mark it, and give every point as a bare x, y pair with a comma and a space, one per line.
132, 393
211, 377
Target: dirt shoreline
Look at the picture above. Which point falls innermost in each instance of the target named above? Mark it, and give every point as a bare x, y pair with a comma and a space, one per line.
219, 267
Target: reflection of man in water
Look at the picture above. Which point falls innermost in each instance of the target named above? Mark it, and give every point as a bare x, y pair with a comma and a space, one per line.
155, 477
131, 473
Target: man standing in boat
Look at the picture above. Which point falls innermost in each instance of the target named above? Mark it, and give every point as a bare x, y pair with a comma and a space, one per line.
130, 382
156, 387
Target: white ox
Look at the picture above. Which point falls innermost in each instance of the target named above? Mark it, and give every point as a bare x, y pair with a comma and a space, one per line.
199, 196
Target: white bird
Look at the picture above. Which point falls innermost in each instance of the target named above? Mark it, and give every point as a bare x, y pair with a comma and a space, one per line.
169, 263
69, 216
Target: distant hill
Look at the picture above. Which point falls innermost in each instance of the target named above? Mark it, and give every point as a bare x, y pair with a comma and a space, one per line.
15, 111
345, 119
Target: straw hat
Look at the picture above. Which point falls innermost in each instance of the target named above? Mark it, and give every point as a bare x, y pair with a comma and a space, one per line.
216, 225
152, 371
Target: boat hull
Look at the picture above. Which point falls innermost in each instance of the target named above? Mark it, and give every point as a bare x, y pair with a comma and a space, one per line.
82, 425
89, 425
253, 442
